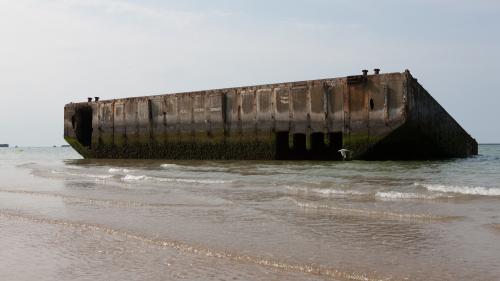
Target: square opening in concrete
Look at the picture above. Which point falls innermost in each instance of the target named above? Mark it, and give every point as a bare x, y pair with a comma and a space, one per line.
82, 124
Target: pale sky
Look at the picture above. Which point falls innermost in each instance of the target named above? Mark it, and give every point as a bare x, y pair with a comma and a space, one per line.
58, 51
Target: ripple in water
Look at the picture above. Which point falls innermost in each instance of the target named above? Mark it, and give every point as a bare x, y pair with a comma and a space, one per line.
201, 251
375, 213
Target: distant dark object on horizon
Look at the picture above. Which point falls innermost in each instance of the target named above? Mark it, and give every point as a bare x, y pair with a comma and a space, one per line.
4, 145
373, 116
65, 145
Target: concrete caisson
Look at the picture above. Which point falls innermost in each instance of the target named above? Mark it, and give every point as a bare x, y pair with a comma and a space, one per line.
375, 117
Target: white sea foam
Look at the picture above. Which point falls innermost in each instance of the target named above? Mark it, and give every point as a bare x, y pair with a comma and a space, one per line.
467, 190
116, 170
167, 166
325, 191
102, 177
202, 181
406, 195
157, 179
332, 191
205, 181
134, 178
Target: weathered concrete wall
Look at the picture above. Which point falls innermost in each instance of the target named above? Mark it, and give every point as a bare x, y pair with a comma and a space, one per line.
299, 120
434, 122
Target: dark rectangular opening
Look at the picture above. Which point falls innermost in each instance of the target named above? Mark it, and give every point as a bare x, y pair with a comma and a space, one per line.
299, 146
282, 149
335, 144
82, 124
318, 150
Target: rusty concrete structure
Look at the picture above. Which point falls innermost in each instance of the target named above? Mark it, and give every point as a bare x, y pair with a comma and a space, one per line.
375, 117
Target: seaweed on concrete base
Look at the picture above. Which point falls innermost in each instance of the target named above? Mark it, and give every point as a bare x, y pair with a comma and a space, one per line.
82, 150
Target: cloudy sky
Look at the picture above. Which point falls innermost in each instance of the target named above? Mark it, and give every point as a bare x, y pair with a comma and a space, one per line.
56, 51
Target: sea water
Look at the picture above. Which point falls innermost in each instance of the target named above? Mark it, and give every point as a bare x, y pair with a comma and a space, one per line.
65, 218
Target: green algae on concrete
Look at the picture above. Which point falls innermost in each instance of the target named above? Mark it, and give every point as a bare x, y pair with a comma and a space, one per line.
82, 150
250, 150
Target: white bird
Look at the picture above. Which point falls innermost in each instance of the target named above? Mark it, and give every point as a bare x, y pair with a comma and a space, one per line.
344, 153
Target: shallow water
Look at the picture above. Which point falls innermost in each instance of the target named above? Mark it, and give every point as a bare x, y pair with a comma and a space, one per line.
65, 218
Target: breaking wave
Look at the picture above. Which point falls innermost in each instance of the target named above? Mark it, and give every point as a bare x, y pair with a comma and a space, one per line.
116, 170
133, 178
325, 191
167, 166
157, 179
465, 190
406, 195
331, 191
